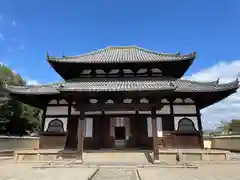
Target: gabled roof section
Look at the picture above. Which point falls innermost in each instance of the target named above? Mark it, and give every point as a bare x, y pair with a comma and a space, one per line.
122, 54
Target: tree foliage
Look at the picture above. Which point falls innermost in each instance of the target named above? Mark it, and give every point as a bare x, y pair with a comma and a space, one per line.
16, 118
223, 126
229, 126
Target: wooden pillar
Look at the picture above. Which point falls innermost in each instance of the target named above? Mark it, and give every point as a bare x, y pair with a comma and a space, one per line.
42, 125
172, 118
80, 135
43, 118
200, 127
154, 135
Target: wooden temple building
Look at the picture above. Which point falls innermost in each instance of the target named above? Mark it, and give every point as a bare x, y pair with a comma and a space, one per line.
122, 97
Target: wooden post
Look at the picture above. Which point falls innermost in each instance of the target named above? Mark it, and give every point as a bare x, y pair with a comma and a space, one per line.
42, 125
200, 127
80, 135
43, 118
154, 135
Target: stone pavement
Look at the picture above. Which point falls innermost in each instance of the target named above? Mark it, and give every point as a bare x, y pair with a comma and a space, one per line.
116, 173
25, 171
203, 172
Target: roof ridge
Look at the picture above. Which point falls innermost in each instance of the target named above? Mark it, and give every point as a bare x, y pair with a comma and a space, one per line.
119, 47
158, 53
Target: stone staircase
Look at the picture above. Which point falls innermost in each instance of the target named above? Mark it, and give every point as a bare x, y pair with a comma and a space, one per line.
117, 157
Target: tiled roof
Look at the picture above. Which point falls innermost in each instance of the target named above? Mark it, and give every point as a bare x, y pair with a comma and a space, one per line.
130, 84
38, 89
121, 55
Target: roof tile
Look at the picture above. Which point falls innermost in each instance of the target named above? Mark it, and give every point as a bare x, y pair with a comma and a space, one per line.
121, 55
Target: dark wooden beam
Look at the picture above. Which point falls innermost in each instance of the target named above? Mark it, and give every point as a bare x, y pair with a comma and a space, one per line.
119, 107
43, 118
200, 127
80, 135
154, 135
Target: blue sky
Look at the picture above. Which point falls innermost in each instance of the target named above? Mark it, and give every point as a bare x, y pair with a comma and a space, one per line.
29, 29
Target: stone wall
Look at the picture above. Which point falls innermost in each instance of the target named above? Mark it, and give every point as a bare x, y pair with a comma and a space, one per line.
13, 142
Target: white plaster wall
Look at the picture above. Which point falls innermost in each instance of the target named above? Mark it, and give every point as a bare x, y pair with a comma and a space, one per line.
144, 112
88, 127
48, 120
194, 119
149, 126
93, 112
57, 110
159, 127
74, 112
120, 112
184, 109
165, 110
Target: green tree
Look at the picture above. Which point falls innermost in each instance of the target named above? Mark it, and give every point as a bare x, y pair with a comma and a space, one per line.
224, 126
15, 117
229, 126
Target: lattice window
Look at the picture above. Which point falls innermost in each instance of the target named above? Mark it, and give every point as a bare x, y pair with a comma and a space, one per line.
109, 101
142, 71
127, 71
113, 71
93, 101
186, 125
156, 70
54, 101
63, 101
164, 100
188, 100
86, 72
55, 125
144, 100
178, 100
127, 101
100, 71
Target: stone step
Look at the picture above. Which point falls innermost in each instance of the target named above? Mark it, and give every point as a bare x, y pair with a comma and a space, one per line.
116, 157
121, 173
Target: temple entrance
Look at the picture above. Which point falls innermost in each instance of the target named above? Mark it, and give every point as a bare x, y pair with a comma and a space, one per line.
120, 133
120, 138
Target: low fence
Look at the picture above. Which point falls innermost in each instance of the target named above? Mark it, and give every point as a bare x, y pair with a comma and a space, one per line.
226, 142
13, 142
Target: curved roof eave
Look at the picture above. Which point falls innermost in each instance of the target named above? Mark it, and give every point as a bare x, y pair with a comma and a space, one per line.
32, 90
124, 85
127, 54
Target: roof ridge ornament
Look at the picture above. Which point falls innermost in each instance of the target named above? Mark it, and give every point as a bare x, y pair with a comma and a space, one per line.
47, 55
216, 82
237, 81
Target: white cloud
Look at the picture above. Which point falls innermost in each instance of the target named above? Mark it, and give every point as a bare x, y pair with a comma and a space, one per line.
14, 23
32, 82
1, 36
228, 108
